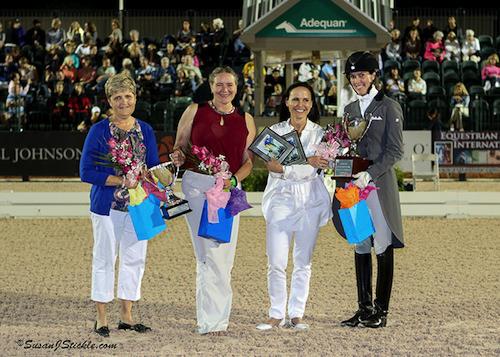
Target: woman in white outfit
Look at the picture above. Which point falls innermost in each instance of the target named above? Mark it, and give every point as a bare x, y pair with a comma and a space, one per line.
295, 205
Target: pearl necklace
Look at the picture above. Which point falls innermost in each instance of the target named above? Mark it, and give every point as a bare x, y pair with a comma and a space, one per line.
221, 113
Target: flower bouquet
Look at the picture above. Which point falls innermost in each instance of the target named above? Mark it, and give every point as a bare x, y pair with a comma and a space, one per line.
354, 213
335, 143
220, 206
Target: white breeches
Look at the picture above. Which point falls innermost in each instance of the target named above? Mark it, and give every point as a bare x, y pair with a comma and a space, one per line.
114, 236
383, 234
214, 261
278, 244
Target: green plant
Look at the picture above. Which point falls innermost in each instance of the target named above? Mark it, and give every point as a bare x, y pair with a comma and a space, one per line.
400, 177
256, 181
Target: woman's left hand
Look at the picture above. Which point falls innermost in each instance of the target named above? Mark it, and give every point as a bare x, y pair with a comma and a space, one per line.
274, 166
317, 162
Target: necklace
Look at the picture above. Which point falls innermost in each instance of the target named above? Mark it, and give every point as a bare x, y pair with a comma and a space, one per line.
221, 113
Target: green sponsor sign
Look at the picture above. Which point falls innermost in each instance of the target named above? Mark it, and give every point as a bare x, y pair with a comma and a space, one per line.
315, 18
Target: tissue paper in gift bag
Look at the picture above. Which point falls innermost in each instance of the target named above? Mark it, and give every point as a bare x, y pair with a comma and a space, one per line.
220, 232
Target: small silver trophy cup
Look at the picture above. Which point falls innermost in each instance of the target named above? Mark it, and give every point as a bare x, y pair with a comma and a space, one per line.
355, 128
173, 206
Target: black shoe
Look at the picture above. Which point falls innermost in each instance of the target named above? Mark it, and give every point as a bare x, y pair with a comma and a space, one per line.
101, 331
137, 327
378, 319
363, 314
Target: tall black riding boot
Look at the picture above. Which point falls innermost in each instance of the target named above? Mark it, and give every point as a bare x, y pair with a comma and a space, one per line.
385, 263
363, 263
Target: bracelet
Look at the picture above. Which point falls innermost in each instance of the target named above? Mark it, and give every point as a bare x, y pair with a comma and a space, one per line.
234, 181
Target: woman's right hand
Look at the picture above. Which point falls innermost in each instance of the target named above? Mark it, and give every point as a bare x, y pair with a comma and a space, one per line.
317, 162
178, 157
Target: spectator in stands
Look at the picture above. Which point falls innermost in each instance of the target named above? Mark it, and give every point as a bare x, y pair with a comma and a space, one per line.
459, 105
15, 34
116, 35
219, 42
2, 39
36, 41
318, 85
434, 50
90, 30
79, 105
152, 54
70, 47
95, 116
190, 51
134, 52
165, 76
414, 25
394, 85
490, 74
75, 33
247, 101
86, 48
68, 69
328, 73
271, 80
417, 87
452, 47
146, 86
16, 98
10, 66
55, 35
452, 26
393, 48
128, 66
184, 37
428, 31
413, 46
434, 125
105, 71
183, 85
238, 45
170, 53
27, 71
471, 47
223, 130
114, 234
187, 64
86, 73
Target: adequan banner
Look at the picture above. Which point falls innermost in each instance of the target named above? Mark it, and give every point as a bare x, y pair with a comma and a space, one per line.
52, 153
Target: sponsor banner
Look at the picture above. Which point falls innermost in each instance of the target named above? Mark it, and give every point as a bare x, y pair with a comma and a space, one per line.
468, 151
53, 153
415, 142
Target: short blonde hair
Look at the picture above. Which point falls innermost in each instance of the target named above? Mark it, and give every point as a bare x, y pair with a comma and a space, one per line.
118, 83
223, 69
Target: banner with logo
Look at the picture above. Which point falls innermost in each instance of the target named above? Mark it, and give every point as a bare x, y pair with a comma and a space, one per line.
53, 153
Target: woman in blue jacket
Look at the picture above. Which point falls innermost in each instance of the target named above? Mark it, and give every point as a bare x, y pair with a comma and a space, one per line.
112, 228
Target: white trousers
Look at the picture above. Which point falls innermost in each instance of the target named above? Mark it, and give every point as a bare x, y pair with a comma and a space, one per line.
278, 244
214, 261
114, 235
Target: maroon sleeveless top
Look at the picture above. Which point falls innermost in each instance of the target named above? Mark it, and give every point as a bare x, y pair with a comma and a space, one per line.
228, 139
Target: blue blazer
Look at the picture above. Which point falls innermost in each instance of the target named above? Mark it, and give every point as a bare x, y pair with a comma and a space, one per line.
96, 144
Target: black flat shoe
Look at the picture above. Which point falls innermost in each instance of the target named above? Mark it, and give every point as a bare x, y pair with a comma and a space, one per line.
101, 331
137, 327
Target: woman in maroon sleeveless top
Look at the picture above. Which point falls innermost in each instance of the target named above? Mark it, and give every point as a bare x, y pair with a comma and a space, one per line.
219, 127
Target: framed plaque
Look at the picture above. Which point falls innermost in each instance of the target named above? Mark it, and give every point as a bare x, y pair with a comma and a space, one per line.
269, 145
297, 155
346, 166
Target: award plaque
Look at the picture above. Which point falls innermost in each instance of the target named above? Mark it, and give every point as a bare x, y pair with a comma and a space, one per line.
350, 164
174, 206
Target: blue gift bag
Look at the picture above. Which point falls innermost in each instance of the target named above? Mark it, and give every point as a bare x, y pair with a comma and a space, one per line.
357, 222
220, 232
146, 218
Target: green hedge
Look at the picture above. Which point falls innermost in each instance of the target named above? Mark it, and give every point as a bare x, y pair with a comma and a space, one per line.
256, 181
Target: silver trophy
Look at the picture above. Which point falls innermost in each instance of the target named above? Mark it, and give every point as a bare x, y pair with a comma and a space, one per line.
173, 206
350, 164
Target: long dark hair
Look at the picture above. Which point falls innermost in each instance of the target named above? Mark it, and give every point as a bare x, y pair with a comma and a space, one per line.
285, 113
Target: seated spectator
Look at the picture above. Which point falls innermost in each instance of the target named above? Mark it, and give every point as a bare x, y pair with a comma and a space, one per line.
85, 48
15, 34
188, 65
271, 80
134, 52
146, 86
53, 59
27, 71
218, 43
128, 65
90, 30
247, 101
16, 99
86, 73
171, 54
459, 105
69, 48
55, 35
393, 48
75, 33
428, 31
35, 40
452, 47
190, 51
2, 38
165, 77
152, 55
183, 86
10, 67
434, 50
103, 73
79, 105
412, 46
273, 103
95, 116
318, 84
416, 85
490, 74
394, 85
471, 47
68, 69
57, 105
184, 37
144, 66
452, 26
